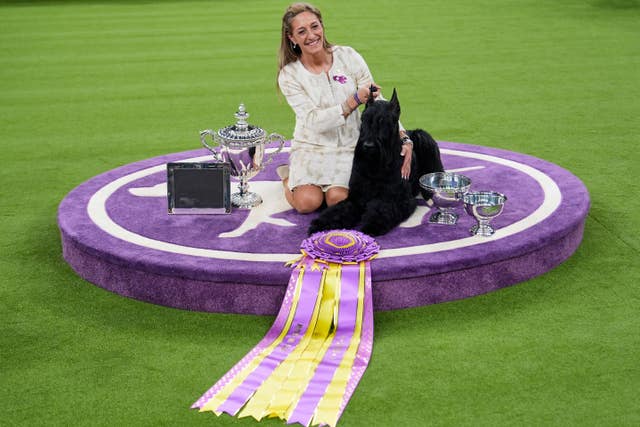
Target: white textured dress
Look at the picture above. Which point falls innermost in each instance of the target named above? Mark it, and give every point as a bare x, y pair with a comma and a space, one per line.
323, 140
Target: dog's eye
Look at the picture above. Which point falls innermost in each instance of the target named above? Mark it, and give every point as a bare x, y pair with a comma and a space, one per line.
368, 145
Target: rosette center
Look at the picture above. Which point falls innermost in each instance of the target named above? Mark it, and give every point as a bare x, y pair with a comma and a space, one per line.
340, 246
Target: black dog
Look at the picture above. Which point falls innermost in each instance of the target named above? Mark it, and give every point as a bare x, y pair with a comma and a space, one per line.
379, 199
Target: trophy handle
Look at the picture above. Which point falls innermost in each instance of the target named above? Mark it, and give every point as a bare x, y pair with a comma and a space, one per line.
203, 140
274, 137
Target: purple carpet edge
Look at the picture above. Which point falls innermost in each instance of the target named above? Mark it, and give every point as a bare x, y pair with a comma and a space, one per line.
243, 298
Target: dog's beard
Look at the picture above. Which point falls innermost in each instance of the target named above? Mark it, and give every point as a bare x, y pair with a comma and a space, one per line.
379, 142
377, 154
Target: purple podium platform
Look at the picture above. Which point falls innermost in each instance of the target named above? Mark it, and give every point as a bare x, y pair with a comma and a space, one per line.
116, 234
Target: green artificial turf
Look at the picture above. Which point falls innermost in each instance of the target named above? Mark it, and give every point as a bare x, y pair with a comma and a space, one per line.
87, 86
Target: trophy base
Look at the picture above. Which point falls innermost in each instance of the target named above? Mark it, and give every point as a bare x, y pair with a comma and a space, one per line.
484, 230
245, 200
446, 218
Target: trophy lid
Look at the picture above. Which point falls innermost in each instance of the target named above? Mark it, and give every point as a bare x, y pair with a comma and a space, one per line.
242, 133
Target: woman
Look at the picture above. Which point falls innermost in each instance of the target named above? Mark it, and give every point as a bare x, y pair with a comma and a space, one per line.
324, 85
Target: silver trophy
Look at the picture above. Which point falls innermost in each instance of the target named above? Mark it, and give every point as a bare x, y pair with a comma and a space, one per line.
242, 146
483, 206
448, 189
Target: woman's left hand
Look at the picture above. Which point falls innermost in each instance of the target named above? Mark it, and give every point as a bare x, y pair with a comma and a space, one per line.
407, 153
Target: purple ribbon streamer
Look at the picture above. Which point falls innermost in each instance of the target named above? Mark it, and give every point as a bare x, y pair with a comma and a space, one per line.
363, 355
307, 301
273, 333
347, 312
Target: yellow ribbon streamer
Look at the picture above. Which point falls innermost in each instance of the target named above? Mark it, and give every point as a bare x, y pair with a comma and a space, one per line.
328, 408
303, 374
226, 391
290, 378
257, 406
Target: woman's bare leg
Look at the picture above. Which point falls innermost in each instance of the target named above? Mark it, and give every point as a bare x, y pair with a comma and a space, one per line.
335, 195
305, 198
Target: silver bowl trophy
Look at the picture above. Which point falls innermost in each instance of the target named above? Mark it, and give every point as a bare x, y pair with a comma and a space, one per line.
448, 189
483, 206
242, 146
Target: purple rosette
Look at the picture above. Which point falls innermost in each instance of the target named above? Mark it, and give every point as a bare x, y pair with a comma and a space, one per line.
340, 246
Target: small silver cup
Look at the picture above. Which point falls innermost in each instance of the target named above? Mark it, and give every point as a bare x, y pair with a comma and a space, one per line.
448, 189
483, 206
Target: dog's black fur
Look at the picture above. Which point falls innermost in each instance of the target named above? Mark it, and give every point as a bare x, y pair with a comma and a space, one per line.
379, 199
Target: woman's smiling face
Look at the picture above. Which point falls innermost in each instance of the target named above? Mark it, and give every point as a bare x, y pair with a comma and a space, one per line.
307, 32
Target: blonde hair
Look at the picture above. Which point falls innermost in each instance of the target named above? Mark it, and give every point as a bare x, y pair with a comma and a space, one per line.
287, 53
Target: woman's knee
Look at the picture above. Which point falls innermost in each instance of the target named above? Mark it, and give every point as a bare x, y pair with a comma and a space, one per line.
336, 195
307, 198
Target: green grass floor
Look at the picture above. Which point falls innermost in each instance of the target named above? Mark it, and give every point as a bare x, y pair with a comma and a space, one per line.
87, 86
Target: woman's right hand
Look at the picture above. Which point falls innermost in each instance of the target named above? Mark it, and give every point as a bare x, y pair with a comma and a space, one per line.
361, 96
364, 92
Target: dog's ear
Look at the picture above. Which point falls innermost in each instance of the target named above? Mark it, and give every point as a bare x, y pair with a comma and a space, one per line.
371, 99
394, 103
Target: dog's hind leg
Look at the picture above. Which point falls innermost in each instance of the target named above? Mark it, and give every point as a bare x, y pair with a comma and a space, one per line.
344, 214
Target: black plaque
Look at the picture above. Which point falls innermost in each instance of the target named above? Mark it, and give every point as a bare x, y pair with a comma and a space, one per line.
198, 188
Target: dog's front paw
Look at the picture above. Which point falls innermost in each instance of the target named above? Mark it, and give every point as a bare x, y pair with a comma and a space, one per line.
374, 230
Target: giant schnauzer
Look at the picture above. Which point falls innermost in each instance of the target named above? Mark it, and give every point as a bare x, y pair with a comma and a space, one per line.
379, 198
